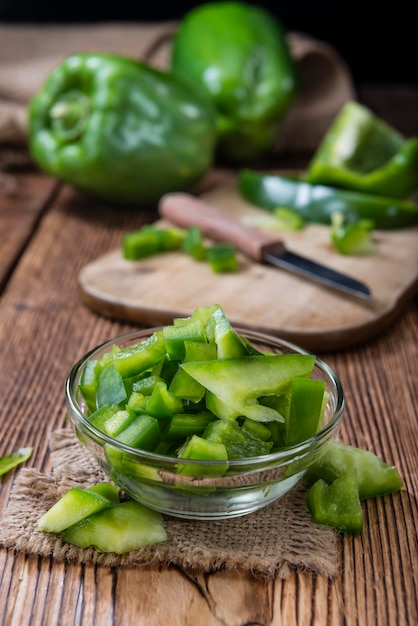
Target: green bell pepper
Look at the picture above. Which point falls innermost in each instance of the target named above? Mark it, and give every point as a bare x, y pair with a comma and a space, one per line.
362, 152
317, 203
120, 130
237, 54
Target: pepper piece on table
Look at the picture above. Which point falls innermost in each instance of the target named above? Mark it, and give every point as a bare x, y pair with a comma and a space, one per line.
237, 54
222, 258
150, 240
119, 129
362, 152
337, 505
10, 461
342, 477
355, 238
374, 477
317, 203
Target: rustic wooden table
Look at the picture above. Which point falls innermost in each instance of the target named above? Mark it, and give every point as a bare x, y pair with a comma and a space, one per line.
48, 233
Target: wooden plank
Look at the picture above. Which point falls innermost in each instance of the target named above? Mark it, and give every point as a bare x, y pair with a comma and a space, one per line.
22, 200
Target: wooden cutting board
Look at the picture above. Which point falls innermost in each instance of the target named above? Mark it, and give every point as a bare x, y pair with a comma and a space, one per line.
260, 297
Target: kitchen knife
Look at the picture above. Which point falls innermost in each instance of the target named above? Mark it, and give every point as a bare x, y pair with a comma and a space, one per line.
186, 210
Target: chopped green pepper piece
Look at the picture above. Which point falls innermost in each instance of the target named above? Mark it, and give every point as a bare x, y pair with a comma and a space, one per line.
199, 351
137, 402
282, 219
202, 313
288, 219
143, 432
220, 408
354, 238
88, 383
199, 449
107, 490
363, 153
174, 337
374, 477
238, 382
183, 425
336, 505
239, 442
317, 203
10, 461
194, 245
136, 359
101, 415
305, 411
228, 342
118, 422
150, 240
162, 403
222, 257
120, 528
186, 387
75, 505
146, 385
110, 388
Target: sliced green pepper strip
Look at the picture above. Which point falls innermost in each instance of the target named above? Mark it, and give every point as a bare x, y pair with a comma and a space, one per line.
10, 461
194, 245
362, 152
374, 477
317, 203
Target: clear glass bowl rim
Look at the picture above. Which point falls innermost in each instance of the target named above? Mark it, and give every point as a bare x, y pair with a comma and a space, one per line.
281, 457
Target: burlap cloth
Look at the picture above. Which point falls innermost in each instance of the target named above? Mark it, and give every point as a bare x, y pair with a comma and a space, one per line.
29, 52
267, 543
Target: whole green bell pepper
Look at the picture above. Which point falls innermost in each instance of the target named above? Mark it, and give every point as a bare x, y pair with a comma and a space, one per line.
120, 130
237, 54
362, 152
318, 203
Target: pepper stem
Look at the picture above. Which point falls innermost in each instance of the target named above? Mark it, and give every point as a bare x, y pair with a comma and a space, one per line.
68, 115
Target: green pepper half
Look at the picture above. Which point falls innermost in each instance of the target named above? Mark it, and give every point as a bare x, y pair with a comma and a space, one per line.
120, 130
363, 153
317, 203
237, 54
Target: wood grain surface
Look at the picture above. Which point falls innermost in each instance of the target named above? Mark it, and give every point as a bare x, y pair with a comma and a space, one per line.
45, 326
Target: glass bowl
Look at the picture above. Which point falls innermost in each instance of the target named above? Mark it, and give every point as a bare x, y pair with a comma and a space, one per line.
248, 485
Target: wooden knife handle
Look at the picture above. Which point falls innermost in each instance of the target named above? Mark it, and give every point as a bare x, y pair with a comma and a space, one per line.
186, 210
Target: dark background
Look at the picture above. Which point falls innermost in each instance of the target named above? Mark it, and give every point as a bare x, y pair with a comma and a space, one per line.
378, 42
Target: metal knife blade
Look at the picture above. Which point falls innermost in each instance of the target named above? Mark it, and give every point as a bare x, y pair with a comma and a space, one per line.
186, 210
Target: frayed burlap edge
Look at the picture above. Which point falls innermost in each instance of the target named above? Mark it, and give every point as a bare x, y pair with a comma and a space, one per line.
267, 543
